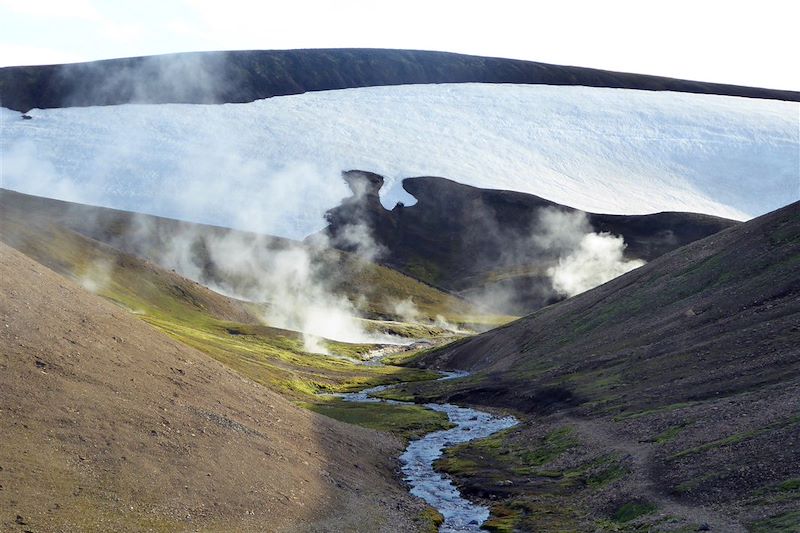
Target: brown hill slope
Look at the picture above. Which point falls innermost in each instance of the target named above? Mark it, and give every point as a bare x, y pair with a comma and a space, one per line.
109, 425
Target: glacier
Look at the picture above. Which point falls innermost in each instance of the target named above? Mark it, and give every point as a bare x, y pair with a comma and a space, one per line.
274, 165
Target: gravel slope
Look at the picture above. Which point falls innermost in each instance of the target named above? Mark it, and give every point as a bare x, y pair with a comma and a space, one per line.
109, 425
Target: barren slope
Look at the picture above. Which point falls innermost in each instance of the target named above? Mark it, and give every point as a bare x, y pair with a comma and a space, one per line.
109, 425
664, 400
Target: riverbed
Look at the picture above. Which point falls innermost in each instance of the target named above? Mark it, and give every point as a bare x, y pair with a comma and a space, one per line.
460, 514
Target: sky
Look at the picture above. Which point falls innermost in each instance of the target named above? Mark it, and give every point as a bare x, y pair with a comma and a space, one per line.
729, 41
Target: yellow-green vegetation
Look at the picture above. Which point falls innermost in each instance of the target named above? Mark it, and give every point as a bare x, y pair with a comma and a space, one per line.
785, 491
406, 421
596, 473
538, 514
229, 331
668, 435
503, 519
410, 330
384, 288
516, 459
737, 438
782, 523
632, 510
427, 391
537, 480
277, 359
433, 519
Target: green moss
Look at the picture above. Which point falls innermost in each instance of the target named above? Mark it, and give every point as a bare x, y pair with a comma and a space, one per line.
785, 491
653, 411
539, 514
503, 519
405, 421
633, 510
554, 444
783, 523
596, 474
431, 519
668, 435
424, 270
513, 459
737, 438
790, 485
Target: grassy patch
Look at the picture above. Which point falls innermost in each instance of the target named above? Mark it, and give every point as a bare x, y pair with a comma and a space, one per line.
783, 523
405, 421
790, 485
432, 519
633, 510
668, 435
513, 459
736, 438
503, 519
596, 473
655, 410
277, 358
785, 491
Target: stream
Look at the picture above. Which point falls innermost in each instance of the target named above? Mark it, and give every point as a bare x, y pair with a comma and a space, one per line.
437, 490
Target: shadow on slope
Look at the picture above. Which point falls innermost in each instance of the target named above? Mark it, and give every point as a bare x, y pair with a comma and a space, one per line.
713, 318
499, 248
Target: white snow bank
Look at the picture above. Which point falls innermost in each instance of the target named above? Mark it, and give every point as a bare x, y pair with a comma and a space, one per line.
273, 165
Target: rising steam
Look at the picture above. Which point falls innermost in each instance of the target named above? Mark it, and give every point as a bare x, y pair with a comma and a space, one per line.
585, 259
293, 280
597, 260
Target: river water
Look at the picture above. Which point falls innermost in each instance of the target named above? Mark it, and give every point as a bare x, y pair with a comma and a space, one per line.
460, 515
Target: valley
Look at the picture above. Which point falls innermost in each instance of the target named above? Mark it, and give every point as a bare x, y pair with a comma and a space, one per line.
580, 446
367, 290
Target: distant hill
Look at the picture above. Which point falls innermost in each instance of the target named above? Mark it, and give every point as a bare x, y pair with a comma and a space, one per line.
25, 219
244, 76
482, 243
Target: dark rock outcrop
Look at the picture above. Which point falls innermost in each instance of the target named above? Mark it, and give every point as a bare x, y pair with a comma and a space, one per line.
481, 242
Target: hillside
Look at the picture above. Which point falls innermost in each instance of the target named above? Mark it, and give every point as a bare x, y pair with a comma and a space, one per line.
189, 249
711, 303
135, 431
244, 76
496, 246
666, 398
